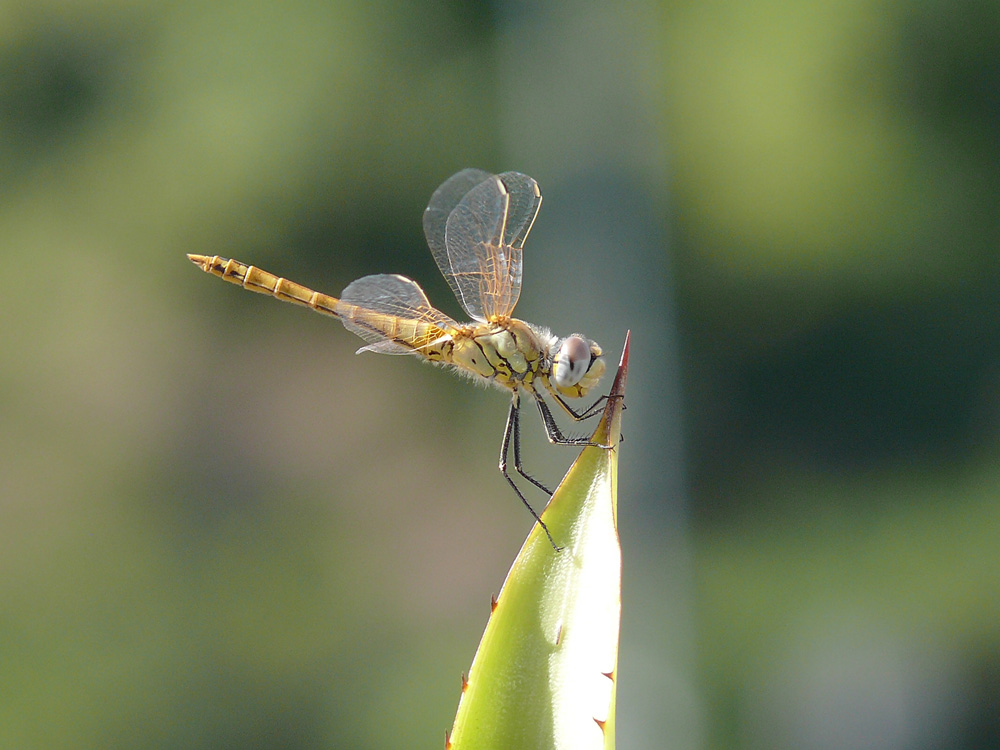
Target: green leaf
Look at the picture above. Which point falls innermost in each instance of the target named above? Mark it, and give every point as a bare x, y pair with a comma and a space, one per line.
545, 672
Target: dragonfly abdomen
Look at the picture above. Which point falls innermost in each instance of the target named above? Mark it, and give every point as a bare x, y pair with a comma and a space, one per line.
391, 334
258, 280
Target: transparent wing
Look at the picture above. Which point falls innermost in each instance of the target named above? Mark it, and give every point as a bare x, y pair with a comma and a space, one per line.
476, 224
443, 202
393, 315
525, 200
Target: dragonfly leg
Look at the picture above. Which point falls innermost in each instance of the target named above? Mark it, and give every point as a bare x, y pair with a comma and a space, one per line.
517, 455
591, 411
552, 430
513, 429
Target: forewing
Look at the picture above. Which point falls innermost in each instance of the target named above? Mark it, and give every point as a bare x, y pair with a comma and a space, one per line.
392, 314
476, 224
442, 203
474, 239
525, 200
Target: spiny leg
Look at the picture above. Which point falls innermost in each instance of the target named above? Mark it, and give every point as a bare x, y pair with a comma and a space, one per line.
512, 427
552, 430
591, 411
517, 455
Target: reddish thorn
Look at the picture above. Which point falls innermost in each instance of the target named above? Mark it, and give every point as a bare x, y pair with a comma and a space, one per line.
609, 675
447, 740
600, 723
465, 682
493, 603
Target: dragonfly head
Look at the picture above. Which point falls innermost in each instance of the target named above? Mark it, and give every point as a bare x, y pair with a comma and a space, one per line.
577, 366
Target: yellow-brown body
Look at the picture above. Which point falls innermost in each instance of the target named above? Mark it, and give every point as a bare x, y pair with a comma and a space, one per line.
508, 352
476, 224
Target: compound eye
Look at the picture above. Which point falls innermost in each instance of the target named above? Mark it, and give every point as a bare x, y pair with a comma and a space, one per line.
571, 362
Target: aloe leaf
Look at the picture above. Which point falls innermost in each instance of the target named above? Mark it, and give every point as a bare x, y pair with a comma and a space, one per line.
545, 672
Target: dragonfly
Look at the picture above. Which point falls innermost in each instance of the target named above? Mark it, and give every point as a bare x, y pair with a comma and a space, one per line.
476, 224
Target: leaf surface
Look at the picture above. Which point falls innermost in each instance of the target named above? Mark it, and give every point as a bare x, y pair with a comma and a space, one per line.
545, 673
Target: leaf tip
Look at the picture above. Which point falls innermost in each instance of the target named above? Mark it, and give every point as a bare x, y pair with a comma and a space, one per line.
618, 387
611, 419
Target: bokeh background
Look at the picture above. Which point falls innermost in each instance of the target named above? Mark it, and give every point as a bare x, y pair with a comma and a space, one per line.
221, 529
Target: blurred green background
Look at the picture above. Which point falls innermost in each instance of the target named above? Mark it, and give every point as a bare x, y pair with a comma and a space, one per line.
221, 529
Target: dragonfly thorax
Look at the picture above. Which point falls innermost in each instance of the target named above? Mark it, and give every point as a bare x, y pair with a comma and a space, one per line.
508, 352
513, 354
